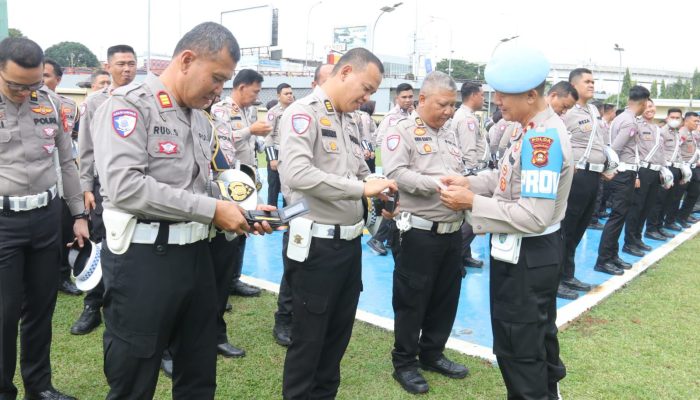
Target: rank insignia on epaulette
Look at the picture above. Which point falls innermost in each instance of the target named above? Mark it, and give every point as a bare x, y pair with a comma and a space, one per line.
33, 96
164, 99
329, 106
419, 121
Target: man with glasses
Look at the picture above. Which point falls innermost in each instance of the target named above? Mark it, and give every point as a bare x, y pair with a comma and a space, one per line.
32, 145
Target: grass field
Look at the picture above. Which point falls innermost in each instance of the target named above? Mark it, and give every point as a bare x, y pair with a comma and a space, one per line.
641, 343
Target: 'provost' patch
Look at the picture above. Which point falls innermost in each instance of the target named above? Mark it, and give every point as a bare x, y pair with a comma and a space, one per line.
329, 106
43, 110
124, 121
419, 131
300, 123
164, 99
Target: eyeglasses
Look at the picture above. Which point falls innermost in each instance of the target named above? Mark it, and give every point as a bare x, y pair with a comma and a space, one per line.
18, 87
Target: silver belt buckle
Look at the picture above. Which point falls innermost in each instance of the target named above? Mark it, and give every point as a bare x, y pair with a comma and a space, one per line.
403, 221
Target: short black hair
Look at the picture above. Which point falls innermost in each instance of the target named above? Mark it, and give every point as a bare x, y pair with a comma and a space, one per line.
469, 88
563, 89
246, 77
576, 73
207, 39
607, 107
619, 111
57, 70
368, 107
638, 93
497, 116
674, 110
359, 58
403, 87
97, 73
690, 114
283, 86
22, 51
271, 103
120, 48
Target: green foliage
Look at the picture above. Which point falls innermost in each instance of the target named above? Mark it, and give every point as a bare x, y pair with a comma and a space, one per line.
461, 69
15, 33
654, 89
663, 92
72, 54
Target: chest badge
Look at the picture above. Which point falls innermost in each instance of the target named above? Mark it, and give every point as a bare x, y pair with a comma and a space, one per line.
325, 121
167, 147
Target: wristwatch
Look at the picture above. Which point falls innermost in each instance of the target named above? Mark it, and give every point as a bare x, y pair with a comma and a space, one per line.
83, 215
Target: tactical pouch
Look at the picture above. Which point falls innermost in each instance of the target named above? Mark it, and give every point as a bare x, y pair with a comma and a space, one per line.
120, 228
506, 247
299, 239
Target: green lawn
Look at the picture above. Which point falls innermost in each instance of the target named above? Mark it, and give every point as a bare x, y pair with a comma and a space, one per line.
641, 343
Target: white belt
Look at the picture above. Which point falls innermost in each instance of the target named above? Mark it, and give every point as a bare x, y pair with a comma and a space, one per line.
26, 203
181, 233
674, 164
347, 232
442, 227
653, 167
627, 167
592, 167
547, 231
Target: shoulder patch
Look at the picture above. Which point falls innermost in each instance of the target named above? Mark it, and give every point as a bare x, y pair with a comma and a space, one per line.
300, 123
541, 161
124, 121
392, 142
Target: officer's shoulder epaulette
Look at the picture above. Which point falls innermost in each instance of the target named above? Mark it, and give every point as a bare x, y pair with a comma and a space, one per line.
405, 122
66, 99
307, 100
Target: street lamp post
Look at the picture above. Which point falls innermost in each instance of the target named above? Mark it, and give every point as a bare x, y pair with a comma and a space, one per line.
383, 10
306, 43
619, 83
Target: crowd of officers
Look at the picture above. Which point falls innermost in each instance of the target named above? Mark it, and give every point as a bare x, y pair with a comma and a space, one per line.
132, 169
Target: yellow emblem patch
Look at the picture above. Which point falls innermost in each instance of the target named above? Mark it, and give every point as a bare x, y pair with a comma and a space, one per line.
325, 121
419, 131
239, 191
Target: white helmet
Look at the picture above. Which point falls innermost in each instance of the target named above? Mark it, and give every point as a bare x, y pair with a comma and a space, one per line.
666, 177
686, 174
237, 186
612, 159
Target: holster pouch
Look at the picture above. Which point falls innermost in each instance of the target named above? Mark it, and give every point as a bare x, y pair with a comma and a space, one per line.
299, 239
506, 247
120, 228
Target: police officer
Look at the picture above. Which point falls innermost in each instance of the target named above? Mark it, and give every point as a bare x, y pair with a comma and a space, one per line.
240, 114
282, 330
651, 160
417, 153
524, 275
285, 97
53, 73
562, 97
100, 79
321, 160
151, 140
585, 133
625, 139
121, 62
690, 123
368, 131
403, 106
664, 206
36, 164
499, 136
690, 138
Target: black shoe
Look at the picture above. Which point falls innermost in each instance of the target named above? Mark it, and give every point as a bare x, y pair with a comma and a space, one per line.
620, 263
654, 236
673, 227
564, 292
445, 367
377, 247
68, 287
596, 226
283, 334
411, 381
604, 214
240, 288
609, 268
576, 284
166, 364
682, 223
229, 351
643, 246
632, 250
472, 262
48, 394
89, 319
228, 308
666, 233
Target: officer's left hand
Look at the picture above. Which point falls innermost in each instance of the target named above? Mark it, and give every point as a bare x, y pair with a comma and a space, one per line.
457, 198
80, 230
259, 229
637, 183
367, 154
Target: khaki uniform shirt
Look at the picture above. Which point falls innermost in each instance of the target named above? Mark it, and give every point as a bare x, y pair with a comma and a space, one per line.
651, 147
30, 133
416, 156
239, 121
368, 129
500, 135
499, 206
472, 141
321, 160
688, 144
85, 138
390, 120
671, 140
153, 155
580, 123
624, 135
273, 118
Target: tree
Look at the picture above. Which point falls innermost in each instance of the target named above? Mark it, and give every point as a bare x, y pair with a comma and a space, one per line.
663, 93
695, 84
462, 70
654, 89
13, 32
680, 89
72, 54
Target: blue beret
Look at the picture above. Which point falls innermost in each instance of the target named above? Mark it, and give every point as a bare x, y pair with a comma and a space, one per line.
516, 69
